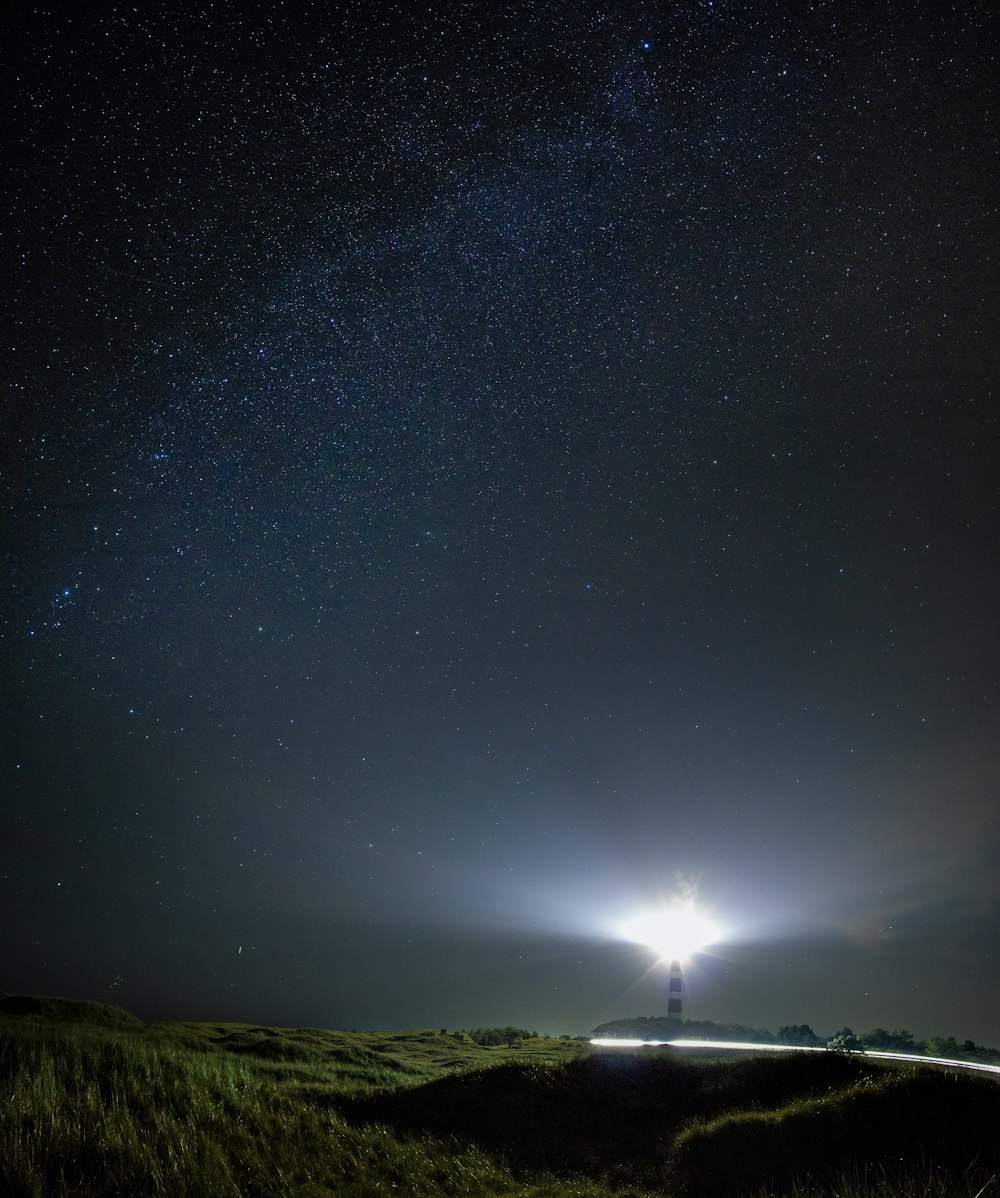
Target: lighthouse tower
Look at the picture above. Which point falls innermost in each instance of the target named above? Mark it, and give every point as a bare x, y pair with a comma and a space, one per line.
674, 1002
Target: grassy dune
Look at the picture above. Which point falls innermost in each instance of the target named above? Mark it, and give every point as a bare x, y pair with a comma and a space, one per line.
95, 1103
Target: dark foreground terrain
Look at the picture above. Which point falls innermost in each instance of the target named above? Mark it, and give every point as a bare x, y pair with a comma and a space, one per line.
95, 1103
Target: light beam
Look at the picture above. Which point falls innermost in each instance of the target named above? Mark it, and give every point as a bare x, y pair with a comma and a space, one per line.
674, 933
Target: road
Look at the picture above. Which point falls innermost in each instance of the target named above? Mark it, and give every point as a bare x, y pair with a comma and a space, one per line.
738, 1046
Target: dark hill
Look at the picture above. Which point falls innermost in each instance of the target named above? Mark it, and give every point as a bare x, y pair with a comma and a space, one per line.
603, 1115
696, 1127
66, 1010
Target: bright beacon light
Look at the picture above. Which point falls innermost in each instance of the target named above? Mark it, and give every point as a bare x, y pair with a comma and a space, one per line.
674, 933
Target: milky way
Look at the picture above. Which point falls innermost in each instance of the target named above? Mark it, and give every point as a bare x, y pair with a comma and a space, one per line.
470, 471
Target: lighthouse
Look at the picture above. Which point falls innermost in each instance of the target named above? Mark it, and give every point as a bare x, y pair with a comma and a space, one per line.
674, 933
674, 1001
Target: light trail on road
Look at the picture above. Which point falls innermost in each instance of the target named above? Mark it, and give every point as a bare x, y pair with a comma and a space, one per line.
743, 1046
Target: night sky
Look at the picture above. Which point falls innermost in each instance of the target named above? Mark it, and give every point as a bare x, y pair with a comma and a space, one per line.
473, 470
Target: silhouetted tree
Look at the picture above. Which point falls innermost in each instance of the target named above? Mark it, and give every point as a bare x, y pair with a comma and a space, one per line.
942, 1046
845, 1041
883, 1041
491, 1037
799, 1033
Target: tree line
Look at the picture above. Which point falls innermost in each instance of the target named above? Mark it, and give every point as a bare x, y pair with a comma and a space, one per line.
493, 1037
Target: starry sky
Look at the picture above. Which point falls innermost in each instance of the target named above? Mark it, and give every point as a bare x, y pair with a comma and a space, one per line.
473, 470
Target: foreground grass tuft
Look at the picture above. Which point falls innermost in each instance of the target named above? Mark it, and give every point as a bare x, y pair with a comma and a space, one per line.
947, 1123
93, 1112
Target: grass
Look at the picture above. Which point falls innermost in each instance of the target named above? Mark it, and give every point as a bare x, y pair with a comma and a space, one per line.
876, 1123
95, 1103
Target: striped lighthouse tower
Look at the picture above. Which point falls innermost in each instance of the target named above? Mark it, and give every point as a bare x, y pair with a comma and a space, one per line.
674, 1002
